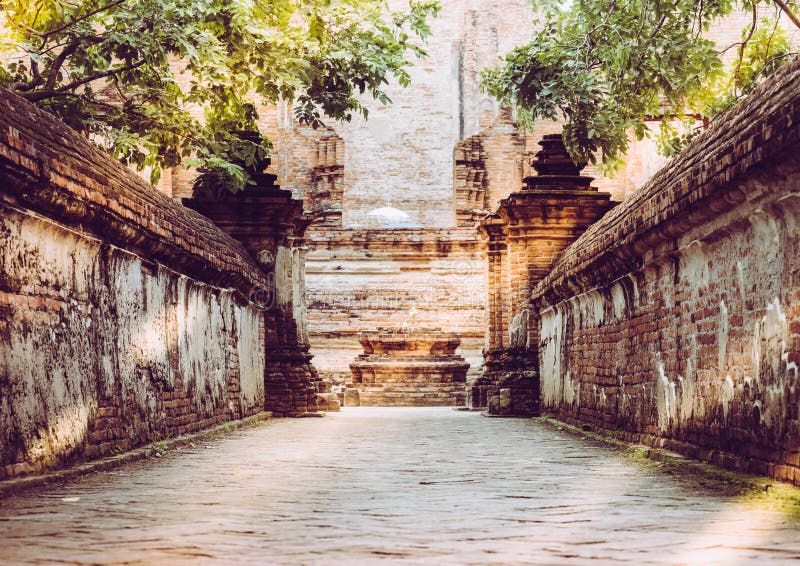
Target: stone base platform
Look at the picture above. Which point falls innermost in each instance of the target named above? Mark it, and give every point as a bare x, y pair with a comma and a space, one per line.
410, 369
414, 384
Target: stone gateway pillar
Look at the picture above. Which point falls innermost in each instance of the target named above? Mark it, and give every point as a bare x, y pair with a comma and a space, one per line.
524, 237
492, 232
271, 225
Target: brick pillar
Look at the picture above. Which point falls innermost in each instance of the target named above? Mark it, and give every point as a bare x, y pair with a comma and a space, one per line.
470, 181
536, 224
271, 224
492, 232
324, 199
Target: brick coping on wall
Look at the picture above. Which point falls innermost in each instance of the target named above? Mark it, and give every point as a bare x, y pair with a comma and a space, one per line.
47, 167
762, 128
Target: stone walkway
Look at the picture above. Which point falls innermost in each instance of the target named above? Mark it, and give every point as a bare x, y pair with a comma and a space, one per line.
406, 486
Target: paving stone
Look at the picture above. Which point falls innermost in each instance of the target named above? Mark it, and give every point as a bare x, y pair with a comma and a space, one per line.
399, 485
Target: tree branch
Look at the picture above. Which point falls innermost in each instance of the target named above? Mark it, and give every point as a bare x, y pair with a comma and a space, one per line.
744, 45
97, 76
46, 34
786, 9
55, 92
58, 62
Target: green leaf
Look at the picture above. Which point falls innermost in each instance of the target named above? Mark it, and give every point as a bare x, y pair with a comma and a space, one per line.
133, 71
604, 66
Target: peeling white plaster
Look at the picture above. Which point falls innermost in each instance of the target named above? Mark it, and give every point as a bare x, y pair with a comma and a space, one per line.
694, 265
635, 290
726, 396
250, 348
765, 233
618, 300
770, 362
116, 333
551, 381
691, 404
300, 310
665, 396
572, 390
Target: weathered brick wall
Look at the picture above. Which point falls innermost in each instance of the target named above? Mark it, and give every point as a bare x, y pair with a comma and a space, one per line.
124, 317
676, 318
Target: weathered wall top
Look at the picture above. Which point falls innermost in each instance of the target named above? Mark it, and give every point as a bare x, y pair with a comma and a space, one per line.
50, 168
753, 138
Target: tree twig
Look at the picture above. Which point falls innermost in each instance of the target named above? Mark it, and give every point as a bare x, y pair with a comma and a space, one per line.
786, 9
44, 35
744, 46
38, 79
54, 92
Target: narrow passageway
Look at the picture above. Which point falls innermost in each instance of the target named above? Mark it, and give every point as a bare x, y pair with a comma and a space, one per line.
369, 485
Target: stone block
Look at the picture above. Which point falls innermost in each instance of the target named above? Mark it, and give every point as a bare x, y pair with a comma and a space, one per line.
351, 397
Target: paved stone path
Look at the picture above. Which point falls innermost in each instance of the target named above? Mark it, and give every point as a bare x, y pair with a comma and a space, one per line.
406, 486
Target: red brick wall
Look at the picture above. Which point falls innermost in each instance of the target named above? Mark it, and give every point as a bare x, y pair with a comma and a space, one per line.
676, 318
124, 317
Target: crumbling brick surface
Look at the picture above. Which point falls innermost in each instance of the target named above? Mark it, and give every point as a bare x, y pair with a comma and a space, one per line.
676, 317
52, 170
124, 317
469, 181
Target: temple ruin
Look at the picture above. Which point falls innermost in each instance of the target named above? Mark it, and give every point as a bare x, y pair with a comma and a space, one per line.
663, 305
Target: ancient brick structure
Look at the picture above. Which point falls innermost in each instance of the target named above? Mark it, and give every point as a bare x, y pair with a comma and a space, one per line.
411, 368
409, 156
271, 225
124, 317
442, 154
359, 280
324, 197
676, 318
524, 236
469, 181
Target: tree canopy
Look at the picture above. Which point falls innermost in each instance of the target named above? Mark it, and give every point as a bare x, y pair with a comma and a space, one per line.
608, 67
129, 72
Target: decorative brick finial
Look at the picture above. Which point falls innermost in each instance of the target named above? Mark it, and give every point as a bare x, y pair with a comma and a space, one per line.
554, 159
555, 168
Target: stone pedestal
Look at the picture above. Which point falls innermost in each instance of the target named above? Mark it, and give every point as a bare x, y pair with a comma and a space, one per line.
480, 389
523, 238
410, 368
514, 391
271, 225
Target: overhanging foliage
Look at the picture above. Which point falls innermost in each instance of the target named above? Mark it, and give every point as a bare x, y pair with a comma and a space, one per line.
161, 81
608, 67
